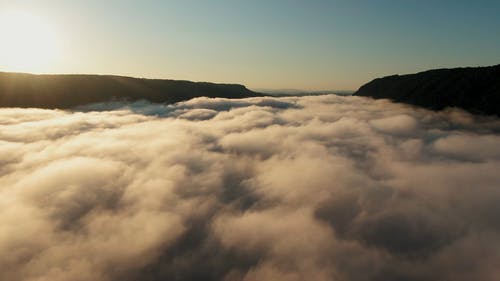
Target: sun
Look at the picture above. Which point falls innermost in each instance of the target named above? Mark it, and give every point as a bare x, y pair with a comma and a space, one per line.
27, 43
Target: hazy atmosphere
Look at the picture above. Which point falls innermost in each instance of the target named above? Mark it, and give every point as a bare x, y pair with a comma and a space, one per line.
308, 45
249, 140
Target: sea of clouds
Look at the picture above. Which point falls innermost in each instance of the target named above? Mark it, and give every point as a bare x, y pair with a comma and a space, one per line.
295, 188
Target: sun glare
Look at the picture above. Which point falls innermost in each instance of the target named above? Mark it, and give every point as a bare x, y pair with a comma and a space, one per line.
27, 43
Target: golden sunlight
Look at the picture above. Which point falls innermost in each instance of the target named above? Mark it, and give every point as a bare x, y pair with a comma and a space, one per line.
28, 43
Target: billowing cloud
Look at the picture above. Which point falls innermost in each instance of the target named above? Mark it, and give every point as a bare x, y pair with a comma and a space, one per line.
294, 188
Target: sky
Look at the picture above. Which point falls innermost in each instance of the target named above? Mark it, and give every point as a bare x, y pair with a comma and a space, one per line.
309, 45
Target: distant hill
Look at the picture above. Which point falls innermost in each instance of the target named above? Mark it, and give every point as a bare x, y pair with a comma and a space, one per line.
295, 92
476, 89
65, 91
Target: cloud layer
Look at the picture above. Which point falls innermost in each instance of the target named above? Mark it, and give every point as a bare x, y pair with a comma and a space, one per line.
296, 188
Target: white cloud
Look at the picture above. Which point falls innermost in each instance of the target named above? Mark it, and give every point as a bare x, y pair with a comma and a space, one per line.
295, 188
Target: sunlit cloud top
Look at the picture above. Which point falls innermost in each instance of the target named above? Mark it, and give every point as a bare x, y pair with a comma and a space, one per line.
297, 188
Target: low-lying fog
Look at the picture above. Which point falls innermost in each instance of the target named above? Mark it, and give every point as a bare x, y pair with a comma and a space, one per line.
295, 188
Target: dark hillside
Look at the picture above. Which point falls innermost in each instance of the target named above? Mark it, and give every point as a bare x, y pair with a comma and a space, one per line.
476, 89
64, 91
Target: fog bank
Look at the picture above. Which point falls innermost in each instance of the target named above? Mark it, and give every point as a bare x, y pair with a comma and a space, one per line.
295, 188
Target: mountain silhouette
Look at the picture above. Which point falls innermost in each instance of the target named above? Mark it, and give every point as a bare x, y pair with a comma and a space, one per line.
475, 89
66, 91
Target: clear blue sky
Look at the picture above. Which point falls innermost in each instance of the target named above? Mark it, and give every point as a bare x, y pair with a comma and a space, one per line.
270, 43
